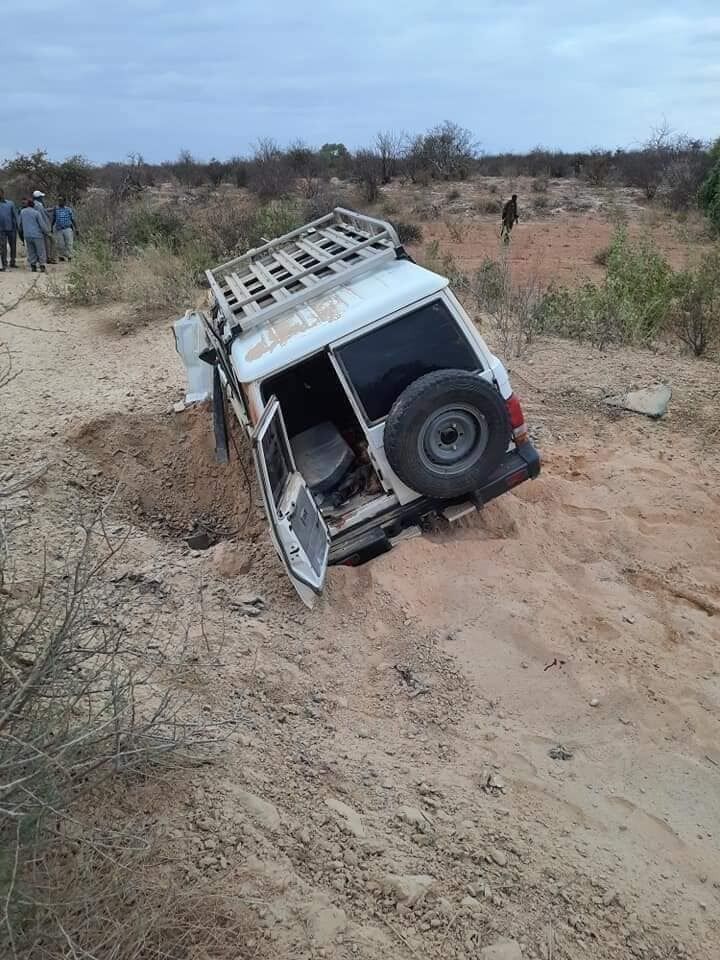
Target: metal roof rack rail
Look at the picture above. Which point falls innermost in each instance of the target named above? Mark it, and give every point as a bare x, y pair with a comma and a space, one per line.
252, 289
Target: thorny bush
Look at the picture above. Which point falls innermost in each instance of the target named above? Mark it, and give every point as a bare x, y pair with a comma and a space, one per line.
79, 703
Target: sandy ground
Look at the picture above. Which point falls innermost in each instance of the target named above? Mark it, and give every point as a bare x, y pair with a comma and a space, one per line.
561, 230
391, 783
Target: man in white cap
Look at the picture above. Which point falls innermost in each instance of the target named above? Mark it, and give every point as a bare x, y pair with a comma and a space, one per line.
39, 204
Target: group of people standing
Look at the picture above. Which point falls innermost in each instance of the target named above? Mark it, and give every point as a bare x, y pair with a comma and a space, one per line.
48, 234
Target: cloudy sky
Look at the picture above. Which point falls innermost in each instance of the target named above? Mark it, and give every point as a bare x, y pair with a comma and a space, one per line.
156, 76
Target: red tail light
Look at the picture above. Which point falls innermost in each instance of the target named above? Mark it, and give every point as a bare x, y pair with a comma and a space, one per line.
517, 419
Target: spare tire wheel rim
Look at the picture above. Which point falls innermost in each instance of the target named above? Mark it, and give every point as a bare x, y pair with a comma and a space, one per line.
452, 439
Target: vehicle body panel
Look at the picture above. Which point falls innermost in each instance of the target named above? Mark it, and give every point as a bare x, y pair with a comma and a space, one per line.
310, 327
297, 528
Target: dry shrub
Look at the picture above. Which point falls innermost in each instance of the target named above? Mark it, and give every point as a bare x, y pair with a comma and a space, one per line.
511, 308
696, 314
80, 703
489, 206
129, 895
540, 185
427, 211
156, 283
456, 230
408, 232
445, 264
601, 256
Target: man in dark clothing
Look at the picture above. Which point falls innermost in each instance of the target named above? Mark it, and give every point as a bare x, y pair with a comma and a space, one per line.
33, 229
8, 231
509, 218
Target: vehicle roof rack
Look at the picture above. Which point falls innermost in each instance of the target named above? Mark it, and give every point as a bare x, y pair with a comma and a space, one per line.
252, 289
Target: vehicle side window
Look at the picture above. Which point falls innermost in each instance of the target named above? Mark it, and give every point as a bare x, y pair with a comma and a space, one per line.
276, 459
382, 363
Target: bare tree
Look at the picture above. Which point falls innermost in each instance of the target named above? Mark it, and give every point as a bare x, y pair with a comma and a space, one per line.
270, 174
368, 168
389, 148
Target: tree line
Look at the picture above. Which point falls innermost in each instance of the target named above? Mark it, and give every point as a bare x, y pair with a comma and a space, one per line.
680, 170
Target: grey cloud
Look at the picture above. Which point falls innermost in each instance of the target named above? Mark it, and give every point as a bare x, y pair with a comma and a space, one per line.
158, 75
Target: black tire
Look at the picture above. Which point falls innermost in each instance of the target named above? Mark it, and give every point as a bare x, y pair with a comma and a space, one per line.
446, 433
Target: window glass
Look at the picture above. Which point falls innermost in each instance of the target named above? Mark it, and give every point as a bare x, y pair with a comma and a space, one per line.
381, 364
276, 458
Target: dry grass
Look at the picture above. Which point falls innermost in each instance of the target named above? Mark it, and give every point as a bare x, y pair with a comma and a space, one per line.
83, 711
155, 284
128, 893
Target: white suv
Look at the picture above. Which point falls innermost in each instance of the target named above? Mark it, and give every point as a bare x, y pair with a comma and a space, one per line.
370, 399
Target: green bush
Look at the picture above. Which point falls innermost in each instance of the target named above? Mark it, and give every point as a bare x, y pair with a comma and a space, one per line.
273, 220
490, 284
696, 314
92, 275
710, 190
632, 305
152, 225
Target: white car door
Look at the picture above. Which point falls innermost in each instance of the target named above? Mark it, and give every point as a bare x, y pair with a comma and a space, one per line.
297, 527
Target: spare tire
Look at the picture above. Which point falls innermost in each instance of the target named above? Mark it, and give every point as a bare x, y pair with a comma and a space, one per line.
446, 433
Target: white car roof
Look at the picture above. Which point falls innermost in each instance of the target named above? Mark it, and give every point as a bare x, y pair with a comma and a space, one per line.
306, 328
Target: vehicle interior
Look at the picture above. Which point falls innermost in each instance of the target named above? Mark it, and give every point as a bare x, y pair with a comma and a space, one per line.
327, 441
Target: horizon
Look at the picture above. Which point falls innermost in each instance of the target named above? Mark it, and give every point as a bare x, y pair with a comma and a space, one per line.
637, 144
160, 76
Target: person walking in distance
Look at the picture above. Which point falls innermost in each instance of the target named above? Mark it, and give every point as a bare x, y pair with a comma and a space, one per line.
509, 218
64, 229
33, 229
38, 200
8, 232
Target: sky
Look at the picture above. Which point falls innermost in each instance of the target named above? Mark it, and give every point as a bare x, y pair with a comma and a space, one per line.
104, 79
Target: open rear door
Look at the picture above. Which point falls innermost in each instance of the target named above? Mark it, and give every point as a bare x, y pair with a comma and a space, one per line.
297, 527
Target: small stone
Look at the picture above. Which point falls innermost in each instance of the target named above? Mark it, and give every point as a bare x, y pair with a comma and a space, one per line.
469, 903
349, 818
259, 809
415, 817
179, 406
498, 856
326, 924
594, 702
609, 898
409, 889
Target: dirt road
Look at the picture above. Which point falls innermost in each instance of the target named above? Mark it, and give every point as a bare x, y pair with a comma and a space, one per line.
505, 730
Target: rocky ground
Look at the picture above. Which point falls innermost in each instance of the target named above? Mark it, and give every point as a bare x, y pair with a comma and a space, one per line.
500, 740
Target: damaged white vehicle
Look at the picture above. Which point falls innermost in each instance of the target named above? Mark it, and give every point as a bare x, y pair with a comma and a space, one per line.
369, 397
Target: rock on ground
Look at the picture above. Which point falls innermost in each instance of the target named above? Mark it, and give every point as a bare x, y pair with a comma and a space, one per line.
409, 889
325, 922
650, 401
261, 810
349, 818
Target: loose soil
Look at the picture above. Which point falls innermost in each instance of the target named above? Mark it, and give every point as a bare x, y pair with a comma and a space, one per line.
507, 729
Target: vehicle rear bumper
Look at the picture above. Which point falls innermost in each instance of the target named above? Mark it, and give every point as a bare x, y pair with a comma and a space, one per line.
518, 465
361, 544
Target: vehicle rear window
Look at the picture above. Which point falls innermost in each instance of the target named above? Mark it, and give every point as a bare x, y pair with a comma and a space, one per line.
382, 363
